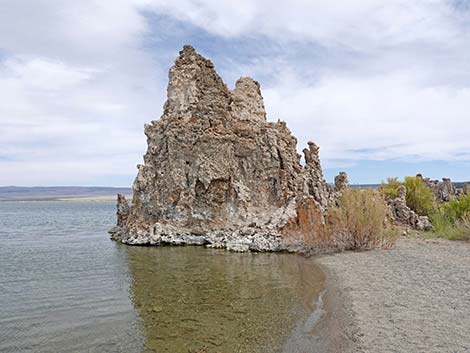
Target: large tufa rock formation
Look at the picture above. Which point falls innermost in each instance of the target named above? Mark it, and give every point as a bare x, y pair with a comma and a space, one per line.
217, 173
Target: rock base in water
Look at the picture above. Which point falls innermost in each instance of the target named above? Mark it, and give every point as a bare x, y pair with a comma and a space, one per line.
217, 173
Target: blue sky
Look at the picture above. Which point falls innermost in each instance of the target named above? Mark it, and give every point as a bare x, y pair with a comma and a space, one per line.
382, 86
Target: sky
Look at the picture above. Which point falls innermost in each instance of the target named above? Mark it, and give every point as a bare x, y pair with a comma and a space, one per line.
382, 86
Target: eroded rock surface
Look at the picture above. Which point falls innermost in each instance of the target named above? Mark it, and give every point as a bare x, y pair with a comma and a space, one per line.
341, 182
216, 172
444, 191
466, 189
403, 215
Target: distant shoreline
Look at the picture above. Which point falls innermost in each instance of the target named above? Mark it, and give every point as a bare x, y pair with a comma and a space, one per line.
93, 198
68, 199
61, 193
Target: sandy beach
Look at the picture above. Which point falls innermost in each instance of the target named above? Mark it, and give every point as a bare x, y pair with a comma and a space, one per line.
413, 298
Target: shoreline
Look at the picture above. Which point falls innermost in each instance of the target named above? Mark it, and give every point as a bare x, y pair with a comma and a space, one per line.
337, 322
413, 298
66, 199
331, 327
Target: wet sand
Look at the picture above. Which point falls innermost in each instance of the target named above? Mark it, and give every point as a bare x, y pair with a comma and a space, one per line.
414, 298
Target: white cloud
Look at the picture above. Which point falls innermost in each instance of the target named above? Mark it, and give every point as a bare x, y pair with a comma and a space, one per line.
78, 81
75, 31
391, 116
354, 23
76, 90
56, 128
44, 74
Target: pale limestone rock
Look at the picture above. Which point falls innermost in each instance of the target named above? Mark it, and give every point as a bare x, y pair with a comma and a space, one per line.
247, 102
341, 182
216, 173
443, 191
123, 210
466, 188
312, 174
446, 191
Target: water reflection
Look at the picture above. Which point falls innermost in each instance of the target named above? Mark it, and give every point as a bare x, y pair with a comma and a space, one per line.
193, 299
63, 283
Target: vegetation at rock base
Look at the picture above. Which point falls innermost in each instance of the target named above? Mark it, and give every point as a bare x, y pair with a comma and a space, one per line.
456, 210
390, 187
452, 220
419, 197
359, 221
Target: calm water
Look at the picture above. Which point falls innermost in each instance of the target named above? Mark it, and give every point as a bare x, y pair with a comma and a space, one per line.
65, 287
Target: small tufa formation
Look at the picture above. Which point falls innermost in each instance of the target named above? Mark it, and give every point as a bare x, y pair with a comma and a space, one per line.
217, 173
247, 102
443, 191
403, 215
123, 210
312, 180
122, 213
341, 182
466, 188
446, 191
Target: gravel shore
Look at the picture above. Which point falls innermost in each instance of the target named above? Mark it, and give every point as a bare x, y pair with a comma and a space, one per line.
413, 298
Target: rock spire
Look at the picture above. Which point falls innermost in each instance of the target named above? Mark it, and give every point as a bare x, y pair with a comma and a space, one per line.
216, 172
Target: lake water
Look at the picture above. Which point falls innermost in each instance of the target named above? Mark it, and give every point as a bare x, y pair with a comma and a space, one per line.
65, 287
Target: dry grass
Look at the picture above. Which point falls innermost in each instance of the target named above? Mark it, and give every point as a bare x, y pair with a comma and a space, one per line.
360, 221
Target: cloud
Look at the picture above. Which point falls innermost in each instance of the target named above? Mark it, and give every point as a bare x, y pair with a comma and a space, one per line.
57, 128
385, 80
76, 31
45, 74
355, 23
76, 91
386, 117
366, 79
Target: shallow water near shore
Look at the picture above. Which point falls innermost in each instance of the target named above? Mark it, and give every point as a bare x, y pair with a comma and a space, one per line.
64, 286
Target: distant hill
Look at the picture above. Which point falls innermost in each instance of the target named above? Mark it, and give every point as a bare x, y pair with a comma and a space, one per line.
460, 184
457, 184
364, 186
20, 193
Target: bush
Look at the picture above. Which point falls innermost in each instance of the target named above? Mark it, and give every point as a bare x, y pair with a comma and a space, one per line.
390, 188
452, 221
443, 228
419, 197
359, 220
456, 210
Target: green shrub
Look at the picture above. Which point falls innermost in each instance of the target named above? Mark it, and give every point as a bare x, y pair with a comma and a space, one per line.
443, 228
359, 220
390, 188
452, 220
455, 210
419, 197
